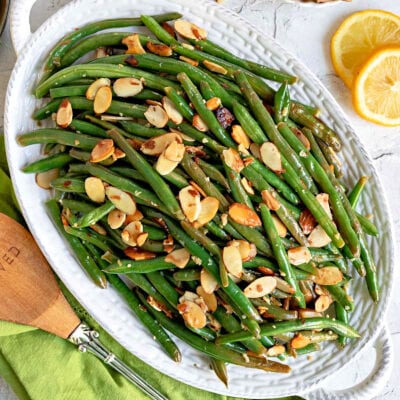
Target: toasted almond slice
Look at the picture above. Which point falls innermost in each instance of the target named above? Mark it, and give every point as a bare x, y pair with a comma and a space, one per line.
189, 31
188, 296
113, 118
184, 137
208, 281
189, 198
122, 200
198, 188
209, 298
179, 258
280, 227
139, 254
247, 186
127, 87
131, 232
188, 60
159, 306
95, 86
165, 166
102, 100
174, 152
103, 149
157, 116
232, 260
133, 44
260, 287
213, 103
141, 238
157, 144
168, 243
299, 255
276, 350
323, 199
214, 67
94, 188
308, 313
101, 52
99, 229
187, 46
43, 179
232, 159
318, 237
173, 113
118, 153
255, 150
209, 208
199, 124
136, 216
242, 150
271, 157
320, 290
322, 303
281, 284
152, 102
302, 137
240, 136
266, 271
307, 221
116, 219
64, 114
244, 215
159, 48
247, 250
299, 341
328, 276
192, 314
270, 200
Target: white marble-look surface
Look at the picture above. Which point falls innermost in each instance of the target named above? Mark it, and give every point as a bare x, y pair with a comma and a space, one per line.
306, 32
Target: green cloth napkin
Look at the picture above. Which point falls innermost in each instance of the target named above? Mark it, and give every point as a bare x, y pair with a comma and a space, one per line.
40, 366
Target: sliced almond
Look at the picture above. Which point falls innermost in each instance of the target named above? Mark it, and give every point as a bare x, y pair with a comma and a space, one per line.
102, 100
159, 306
209, 209
214, 67
318, 237
101, 52
187, 46
131, 232
153, 102
270, 200
174, 152
213, 103
164, 166
328, 276
276, 350
232, 159
188, 296
157, 116
266, 271
199, 124
188, 60
157, 144
103, 149
255, 150
302, 137
247, 186
192, 314
113, 118
322, 303
43, 179
99, 229
189, 199
299, 255
299, 341
232, 260
133, 44
139, 254
240, 136
247, 250
127, 87
122, 200
242, 150
307, 221
184, 137
94, 188
281, 284
271, 157
168, 244
198, 188
260, 287
136, 216
116, 219
189, 31
244, 215
95, 86
141, 238
118, 153
173, 113
209, 298
323, 199
308, 313
159, 48
64, 114
179, 258
208, 281
280, 227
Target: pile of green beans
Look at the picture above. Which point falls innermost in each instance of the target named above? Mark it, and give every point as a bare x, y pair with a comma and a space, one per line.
304, 307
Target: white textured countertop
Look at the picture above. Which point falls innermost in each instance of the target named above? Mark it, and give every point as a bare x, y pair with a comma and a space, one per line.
304, 31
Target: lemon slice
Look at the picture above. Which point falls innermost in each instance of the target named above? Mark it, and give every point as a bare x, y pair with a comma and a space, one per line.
358, 37
376, 92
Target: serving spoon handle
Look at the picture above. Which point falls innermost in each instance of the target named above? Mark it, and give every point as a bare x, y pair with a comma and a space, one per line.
31, 296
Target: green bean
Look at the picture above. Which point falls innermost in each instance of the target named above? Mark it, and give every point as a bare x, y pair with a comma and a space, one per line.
216, 230
139, 267
77, 205
187, 275
276, 312
355, 194
79, 250
95, 215
80, 155
282, 103
213, 172
331, 157
342, 316
341, 297
67, 91
281, 255
219, 367
318, 337
206, 90
367, 225
141, 130
88, 237
180, 103
158, 280
258, 261
87, 128
308, 349
154, 233
162, 190
72, 185
45, 164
